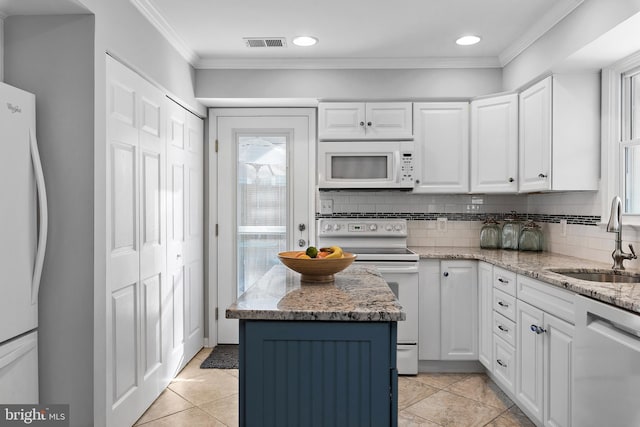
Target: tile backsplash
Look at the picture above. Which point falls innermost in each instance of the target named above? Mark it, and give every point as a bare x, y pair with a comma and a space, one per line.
583, 236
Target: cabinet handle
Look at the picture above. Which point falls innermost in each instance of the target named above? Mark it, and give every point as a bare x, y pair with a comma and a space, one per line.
501, 363
537, 329
502, 328
541, 175
368, 123
445, 274
501, 280
511, 179
501, 304
361, 123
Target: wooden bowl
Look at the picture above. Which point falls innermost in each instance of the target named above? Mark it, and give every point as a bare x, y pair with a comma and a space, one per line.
316, 269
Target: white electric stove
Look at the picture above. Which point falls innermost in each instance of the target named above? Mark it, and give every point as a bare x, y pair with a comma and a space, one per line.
383, 243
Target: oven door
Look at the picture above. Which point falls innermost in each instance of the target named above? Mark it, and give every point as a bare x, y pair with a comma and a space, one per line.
402, 278
377, 164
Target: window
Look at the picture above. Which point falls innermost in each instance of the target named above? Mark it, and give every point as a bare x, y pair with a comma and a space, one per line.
630, 142
621, 138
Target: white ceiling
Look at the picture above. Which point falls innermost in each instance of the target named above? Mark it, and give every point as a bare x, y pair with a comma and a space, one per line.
40, 7
354, 33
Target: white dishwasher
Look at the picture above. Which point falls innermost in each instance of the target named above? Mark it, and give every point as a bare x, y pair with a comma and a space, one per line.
606, 366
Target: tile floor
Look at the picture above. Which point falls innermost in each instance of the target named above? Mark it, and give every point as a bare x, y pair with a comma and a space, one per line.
209, 397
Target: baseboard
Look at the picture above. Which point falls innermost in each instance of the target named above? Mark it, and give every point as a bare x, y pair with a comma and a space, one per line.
450, 366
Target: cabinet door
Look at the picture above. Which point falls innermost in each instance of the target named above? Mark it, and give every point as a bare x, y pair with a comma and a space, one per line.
494, 144
529, 350
386, 120
459, 310
485, 311
341, 120
535, 137
442, 147
558, 368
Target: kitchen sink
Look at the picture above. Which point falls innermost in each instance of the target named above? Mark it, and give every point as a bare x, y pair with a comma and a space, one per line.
611, 276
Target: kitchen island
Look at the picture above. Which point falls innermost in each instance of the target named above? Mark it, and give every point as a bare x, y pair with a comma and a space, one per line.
318, 354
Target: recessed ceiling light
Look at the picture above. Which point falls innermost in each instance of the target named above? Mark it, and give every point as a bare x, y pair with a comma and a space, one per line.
305, 41
468, 40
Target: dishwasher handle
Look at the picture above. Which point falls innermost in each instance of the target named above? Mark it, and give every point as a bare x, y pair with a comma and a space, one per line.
397, 268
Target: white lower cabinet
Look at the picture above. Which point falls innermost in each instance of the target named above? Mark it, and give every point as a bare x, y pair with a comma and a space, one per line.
544, 368
504, 364
459, 310
448, 310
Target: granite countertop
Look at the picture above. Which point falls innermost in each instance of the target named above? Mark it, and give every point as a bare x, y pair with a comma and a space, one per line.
359, 294
538, 264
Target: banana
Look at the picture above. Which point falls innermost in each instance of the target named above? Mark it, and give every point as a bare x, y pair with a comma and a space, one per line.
334, 252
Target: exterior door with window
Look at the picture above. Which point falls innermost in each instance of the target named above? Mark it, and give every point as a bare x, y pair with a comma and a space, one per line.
265, 199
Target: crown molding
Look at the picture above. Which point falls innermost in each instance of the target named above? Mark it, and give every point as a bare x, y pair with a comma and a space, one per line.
556, 14
157, 20
347, 63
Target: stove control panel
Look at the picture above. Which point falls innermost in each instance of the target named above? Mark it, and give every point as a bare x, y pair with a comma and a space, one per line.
362, 227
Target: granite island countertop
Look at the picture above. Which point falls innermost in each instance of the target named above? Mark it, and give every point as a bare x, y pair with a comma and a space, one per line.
538, 264
358, 294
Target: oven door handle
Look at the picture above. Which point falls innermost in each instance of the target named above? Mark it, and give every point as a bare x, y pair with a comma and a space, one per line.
397, 269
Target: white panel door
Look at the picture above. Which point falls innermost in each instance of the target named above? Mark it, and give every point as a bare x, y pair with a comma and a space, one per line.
494, 144
389, 120
136, 244
529, 349
341, 120
185, 235
442, 146
266, 170
558, 371
459, 310
535, 137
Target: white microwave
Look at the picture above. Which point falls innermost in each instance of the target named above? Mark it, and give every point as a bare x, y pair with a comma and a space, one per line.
370, 164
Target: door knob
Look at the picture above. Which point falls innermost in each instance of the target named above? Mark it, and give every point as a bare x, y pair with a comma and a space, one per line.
537, 329
302, 243
541, 175
445, 274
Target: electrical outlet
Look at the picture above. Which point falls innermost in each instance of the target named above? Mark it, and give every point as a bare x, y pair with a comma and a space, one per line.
442, 224
326, 206
563, 227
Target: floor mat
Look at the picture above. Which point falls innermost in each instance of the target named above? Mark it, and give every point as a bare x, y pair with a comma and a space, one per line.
223, 356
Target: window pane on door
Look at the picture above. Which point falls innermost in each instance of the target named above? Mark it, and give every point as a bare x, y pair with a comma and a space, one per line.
632, 179
262, 205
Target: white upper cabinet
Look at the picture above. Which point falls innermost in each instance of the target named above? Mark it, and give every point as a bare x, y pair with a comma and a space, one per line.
494, 144
560, 134
442, 147
359, 120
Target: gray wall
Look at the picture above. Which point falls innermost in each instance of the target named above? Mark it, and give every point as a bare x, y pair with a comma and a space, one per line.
52, 57
451, 83
122, 30
585, 24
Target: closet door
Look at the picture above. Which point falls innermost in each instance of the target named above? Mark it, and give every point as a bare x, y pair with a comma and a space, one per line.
136, 247
185, 234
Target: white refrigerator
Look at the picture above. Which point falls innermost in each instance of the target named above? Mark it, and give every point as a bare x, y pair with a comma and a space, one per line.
23, 235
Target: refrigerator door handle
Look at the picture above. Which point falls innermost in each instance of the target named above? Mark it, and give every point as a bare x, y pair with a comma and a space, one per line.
43, 217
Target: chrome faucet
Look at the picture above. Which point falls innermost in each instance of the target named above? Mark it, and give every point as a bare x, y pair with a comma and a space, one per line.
615, 226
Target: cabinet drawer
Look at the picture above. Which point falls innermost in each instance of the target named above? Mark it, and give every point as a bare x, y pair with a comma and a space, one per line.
548, 298
504, 363
504, 280
504, 304
504, 328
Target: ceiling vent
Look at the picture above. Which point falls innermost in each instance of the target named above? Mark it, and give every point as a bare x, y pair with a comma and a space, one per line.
265, 41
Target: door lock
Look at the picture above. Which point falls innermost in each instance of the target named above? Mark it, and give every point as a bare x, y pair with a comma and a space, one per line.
302, 227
